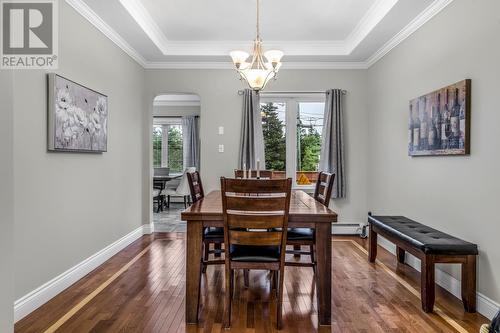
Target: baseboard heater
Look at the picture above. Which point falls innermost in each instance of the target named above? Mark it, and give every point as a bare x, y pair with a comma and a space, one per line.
348, 229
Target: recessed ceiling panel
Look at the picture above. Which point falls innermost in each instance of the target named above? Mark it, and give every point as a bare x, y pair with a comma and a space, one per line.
234, 20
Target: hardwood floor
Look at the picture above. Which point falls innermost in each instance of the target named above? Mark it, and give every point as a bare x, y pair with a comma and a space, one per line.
141, 289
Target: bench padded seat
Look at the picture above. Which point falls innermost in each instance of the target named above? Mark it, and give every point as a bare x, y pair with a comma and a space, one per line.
427, 239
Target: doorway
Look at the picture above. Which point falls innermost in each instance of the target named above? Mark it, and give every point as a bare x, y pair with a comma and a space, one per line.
175, 125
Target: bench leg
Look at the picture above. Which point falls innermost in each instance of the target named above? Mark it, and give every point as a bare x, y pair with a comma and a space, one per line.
372, 245
427, 284
469, 283
401, 255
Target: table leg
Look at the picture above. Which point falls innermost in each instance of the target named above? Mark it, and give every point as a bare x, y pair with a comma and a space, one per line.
193, 269
324, 272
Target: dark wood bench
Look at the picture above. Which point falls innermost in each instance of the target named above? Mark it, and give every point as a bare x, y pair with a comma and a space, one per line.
430, 246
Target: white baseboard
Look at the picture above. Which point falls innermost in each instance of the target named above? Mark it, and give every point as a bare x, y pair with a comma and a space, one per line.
148, 229
33, 300
485, 306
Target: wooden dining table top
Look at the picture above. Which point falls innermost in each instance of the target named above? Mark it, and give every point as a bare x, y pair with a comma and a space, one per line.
302, 208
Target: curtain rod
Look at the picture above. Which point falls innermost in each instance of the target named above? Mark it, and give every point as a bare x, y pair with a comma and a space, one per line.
240, 92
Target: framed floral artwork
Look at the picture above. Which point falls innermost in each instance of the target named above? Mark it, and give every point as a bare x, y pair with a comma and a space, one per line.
77, 117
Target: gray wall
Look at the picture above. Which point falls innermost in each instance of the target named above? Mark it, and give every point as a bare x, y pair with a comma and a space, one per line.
6, 203
459, 195
69, 206
221, 106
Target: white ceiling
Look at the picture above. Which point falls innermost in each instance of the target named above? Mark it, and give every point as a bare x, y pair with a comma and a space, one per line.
312, 33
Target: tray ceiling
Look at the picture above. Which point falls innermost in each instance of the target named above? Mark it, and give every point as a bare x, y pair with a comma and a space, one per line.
313, 33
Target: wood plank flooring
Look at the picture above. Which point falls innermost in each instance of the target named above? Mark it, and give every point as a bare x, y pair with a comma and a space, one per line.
141, 289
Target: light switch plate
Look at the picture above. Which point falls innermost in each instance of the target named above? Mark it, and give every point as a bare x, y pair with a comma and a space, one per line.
221, 130
221, 148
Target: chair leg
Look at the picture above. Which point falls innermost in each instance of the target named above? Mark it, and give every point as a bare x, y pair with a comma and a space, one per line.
206, 249
279, 314
158, 204
185, 202
228, 297
313, 258
168, 201
274, 280
296, 248
217, 246
246, 277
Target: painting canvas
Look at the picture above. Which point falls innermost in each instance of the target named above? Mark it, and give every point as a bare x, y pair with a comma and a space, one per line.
77, 117
439, 122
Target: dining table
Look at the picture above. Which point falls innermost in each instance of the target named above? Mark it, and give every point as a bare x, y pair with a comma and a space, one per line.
305, 212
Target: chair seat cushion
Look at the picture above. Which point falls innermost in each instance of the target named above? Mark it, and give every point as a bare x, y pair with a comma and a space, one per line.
300, 234
213, 232
251, 253
422, 237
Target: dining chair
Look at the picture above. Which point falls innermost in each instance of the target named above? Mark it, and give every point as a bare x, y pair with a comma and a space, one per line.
211, 235
182, 189
264, 174
297, 237
255, 226
158, 196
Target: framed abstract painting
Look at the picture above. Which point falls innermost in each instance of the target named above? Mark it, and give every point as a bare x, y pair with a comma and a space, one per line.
439, 122
77, 117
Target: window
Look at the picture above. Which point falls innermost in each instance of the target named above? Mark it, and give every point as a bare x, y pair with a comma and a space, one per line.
292, 128
167, 144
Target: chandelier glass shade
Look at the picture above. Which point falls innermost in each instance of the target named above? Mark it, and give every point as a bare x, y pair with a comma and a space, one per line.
263, 65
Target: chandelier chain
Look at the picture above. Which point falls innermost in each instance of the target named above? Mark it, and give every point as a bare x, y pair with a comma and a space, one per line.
258, 19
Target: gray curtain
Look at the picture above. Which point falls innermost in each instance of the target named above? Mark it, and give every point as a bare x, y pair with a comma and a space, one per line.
191, 142
332, 145
252, 138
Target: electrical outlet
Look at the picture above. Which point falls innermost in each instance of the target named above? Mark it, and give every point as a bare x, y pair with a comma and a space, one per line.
221, 148
221, 130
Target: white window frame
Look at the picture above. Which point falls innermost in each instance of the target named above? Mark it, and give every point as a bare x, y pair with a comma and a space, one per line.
292, 102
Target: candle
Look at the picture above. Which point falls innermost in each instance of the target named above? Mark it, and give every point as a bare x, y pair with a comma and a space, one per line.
244, 170
258, 168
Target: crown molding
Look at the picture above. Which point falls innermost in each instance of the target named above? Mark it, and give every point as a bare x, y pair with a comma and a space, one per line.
230, 66
432, 10
368, 22
147, 23
291, 48
83, 9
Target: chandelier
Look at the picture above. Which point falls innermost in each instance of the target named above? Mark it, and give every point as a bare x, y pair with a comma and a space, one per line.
258, 72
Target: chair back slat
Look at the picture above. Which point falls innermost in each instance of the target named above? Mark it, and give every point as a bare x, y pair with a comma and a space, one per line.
252, 208
264, 174
195, 186
248, 220
324, 187
262, 203
256, 186
265, 238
